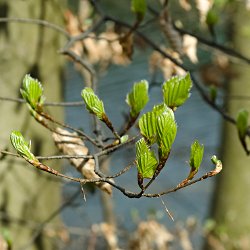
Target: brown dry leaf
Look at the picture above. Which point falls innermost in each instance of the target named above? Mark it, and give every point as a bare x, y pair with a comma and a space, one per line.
84, 10
190, 47
185, 4
128, 45
167, 67
173, 36
75, 146
184, 238
151, 235
74, 28
104, 48
3, 244
108, 231
203, 6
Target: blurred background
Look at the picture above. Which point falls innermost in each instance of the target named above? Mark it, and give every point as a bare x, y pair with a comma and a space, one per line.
38, 211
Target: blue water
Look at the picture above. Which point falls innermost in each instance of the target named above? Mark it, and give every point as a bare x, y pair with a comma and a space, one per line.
195, 121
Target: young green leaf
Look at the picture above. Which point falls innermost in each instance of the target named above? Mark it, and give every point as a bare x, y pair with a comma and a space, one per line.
147, 125
93, 104
22, 147
145, 158
242, 123
166, 129
147, 122
32, 92
138, 97
176, 90
139, 7
196, 155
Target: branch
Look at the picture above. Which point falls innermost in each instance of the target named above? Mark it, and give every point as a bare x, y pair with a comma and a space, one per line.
37, 22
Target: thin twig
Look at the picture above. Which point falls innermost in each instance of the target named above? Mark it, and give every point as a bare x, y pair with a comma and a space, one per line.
37, 22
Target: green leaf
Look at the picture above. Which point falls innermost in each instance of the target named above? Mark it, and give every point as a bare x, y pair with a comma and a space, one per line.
139, 7
147, 122
145, 158
196, 155
32, 92
212, 17
215, 160
166, 129
213, 93
176, 90
124, 139
147, 125
138, 97
242, 123
22, 147
93, 104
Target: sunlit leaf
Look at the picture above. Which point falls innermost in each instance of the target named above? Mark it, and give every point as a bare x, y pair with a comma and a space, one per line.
242, 123
176, 90
139, 7
147, 122
138, 97
32, 92
93, 104
145, 158
22, 147
166, 129
196, 155
147, 125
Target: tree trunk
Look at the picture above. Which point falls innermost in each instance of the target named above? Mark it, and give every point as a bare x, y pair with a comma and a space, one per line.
27, 197
232, 204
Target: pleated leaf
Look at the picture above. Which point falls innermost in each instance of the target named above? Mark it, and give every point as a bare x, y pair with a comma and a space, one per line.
242, 123
147, 122
166, 129
138, 97
176, 90
21, 146
147, 125
162, 109
196, 155
145, 158
93, 104
32, 92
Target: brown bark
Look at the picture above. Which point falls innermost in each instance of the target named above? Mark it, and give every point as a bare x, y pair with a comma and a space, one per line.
232, 204
27, 197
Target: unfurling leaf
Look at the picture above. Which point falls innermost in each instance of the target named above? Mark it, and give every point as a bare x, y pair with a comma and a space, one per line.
93, 104
176, 90
32, 92
138, 97
145, 158
166, 129
147, 125
21, 146
196, 155
139, 7
148, 121
242, 123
